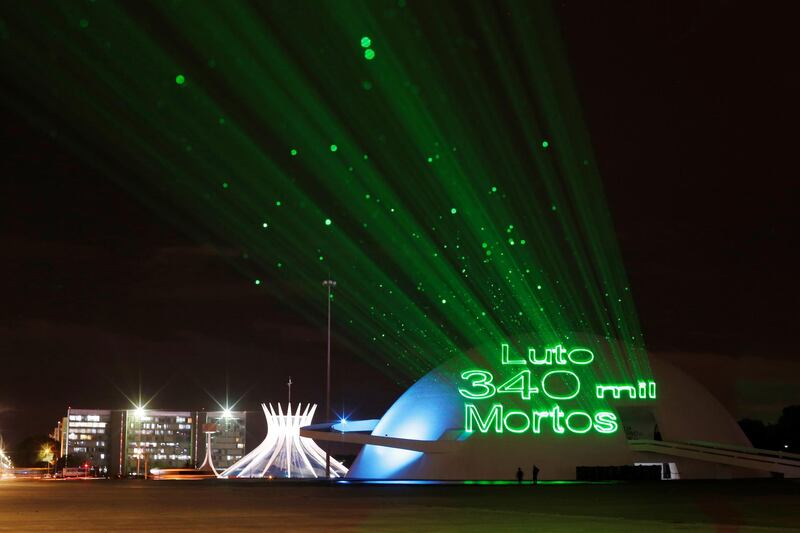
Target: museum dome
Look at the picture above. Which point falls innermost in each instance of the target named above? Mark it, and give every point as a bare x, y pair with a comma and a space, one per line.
433, 409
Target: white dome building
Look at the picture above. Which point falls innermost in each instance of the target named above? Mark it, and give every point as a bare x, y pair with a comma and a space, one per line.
435, 431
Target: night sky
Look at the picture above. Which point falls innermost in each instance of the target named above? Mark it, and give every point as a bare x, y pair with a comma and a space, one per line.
692, 109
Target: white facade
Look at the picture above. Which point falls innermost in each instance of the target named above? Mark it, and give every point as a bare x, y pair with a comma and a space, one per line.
284, 453
422, 436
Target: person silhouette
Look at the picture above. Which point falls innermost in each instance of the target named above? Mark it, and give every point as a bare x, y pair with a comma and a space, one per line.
519, 475
535, 478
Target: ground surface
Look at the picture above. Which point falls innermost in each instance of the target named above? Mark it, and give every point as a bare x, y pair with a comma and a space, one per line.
164, 506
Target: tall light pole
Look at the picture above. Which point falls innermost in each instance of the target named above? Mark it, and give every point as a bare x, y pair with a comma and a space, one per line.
330, 284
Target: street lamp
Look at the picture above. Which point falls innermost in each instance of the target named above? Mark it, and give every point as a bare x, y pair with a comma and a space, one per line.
330, 284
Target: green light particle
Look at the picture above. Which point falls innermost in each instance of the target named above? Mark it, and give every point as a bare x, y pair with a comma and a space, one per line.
522, 241
365, 42
180, 79
444, 301
430, 160
553, 207
494, 189
484, 245
539, 287
328, 222
293, 152
334, 148
367, 85
545, 144
264, 225
366, 157
258, 282
369, 54
453, 211
279, 265
83, 23
278, 203
221, 121
321, 258
225, 185
511, 242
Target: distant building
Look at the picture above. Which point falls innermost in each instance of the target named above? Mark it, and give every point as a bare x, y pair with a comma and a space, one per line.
227, 439
128, 443
162, 439
56, 435
87, 436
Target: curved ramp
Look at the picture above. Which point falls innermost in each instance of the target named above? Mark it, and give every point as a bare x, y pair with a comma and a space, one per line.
787, 464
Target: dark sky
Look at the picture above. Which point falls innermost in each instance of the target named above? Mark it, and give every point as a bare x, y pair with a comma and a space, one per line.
692, 108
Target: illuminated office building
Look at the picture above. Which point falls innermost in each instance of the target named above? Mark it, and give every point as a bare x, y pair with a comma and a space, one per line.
227, 436
86, 435
126, 443
157, 439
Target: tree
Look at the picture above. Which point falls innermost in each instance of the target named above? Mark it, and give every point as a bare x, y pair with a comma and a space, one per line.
782, 436
35, 451
788, 429
71, 460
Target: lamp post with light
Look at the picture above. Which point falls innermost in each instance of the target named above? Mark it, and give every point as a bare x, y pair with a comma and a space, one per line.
330, 284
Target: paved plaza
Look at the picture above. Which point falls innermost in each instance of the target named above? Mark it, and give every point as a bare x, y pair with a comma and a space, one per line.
164, 506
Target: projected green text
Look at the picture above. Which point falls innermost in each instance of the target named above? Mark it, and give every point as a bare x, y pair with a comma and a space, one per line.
548, 383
